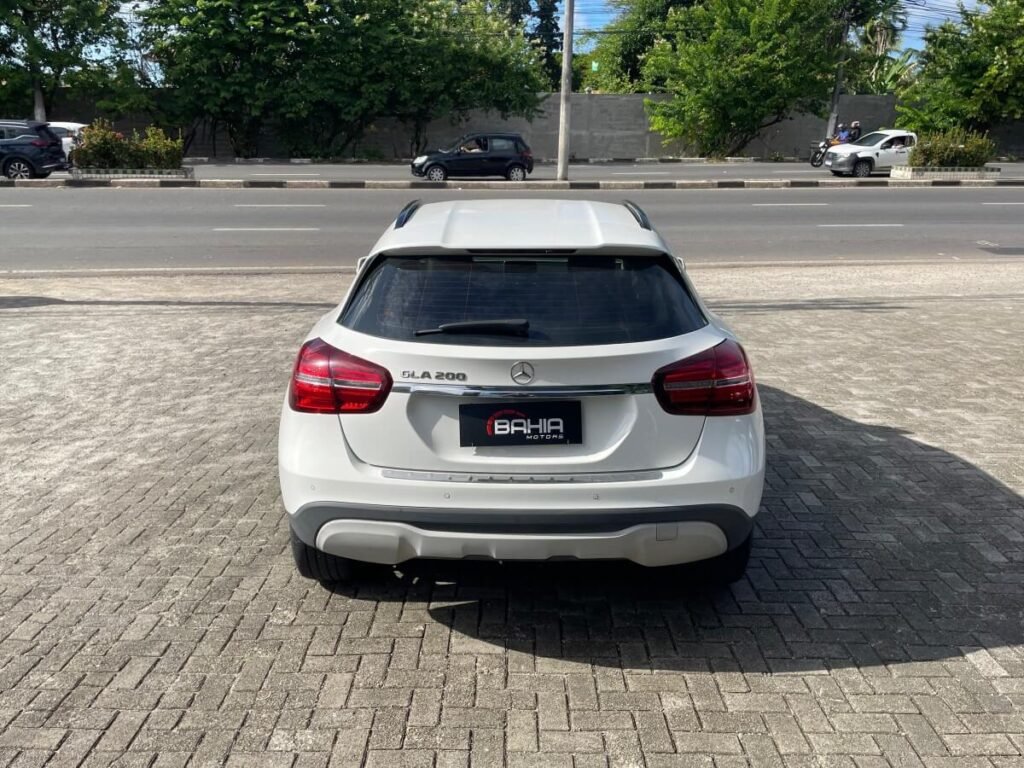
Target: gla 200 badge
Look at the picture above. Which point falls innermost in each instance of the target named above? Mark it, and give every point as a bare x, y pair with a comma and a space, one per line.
434, 375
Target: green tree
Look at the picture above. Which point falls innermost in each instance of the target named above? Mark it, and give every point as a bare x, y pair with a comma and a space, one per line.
735, 67
516, 11
322, 72
621, 48
877, 63
971, 72
547, 37
229, 61
48, 40
461, 58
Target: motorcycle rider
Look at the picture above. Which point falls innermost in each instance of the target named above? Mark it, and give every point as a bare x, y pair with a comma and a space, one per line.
842, 133
854, 130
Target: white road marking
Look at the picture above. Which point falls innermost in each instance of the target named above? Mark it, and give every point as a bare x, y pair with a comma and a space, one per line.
286, 174
640, 173
12, 205
860, 225
786, 205
280, 205
1015, 203
266, 229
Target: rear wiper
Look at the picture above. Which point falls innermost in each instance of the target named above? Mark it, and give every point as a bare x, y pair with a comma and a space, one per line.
497, 327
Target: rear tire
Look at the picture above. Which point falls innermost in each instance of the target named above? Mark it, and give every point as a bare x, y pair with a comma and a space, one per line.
314, 564
516, 173
862, 169
16, 168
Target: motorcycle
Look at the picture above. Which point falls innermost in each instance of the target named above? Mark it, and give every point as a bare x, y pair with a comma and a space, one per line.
818, 156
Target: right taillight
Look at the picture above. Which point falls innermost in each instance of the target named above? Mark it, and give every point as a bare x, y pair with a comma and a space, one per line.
327, 380
715, 382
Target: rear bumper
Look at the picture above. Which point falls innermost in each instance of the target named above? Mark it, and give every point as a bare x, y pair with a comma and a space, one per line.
652, 537
345, 507
648, 544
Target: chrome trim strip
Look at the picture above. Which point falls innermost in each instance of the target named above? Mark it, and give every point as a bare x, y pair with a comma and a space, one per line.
323, 381
537, 477
350, 384
463, 390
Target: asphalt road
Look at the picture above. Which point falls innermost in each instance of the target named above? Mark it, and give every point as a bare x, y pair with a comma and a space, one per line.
44, 229
583, 171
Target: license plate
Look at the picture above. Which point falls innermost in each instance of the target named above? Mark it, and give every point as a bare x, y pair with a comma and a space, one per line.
526, 423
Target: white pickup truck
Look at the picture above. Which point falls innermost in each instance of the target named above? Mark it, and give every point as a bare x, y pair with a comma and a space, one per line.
875, 151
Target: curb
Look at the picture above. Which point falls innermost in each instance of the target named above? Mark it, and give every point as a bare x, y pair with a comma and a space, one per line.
206, 160
503, 185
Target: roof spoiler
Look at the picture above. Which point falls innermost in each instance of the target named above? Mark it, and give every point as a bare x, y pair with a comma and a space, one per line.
638, 214
406, 213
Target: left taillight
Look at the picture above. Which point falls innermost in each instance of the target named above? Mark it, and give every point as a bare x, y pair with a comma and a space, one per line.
327, 380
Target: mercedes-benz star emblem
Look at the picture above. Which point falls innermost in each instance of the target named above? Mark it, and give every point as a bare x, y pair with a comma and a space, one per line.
522, 373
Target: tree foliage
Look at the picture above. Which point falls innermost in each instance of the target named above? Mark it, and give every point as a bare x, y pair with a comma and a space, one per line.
546, 36
458, 59
621, 47
49, 40
971, 72
322, 71
734, 67
878, 64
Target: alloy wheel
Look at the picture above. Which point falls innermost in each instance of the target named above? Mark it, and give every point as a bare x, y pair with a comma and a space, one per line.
436, 173
516, 173
19, 169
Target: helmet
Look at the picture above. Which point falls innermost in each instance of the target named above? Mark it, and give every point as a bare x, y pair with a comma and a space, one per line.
841, 126
855, 124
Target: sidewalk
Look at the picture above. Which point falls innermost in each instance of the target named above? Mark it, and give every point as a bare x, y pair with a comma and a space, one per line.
802, 183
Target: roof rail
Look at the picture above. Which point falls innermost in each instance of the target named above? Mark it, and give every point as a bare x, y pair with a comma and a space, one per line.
406, 213
638, 214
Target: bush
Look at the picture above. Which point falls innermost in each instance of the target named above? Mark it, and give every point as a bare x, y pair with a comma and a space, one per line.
158, 150
954, 148
103, 147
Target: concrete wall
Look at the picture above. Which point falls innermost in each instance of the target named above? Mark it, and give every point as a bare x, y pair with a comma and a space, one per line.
603, 126
795, 136
609, 126
1010, 138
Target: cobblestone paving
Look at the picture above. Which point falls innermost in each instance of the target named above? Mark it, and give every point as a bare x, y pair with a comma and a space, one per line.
150, 614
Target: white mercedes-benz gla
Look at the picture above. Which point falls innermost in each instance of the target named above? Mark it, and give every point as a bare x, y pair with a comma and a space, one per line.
521, 380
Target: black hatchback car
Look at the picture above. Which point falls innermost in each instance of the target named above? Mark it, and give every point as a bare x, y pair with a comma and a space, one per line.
29, 150
478, 154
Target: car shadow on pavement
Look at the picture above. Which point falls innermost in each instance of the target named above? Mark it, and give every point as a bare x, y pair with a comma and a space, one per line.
871, 548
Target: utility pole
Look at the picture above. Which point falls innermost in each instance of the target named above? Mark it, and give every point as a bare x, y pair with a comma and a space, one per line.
833, 112
566, 95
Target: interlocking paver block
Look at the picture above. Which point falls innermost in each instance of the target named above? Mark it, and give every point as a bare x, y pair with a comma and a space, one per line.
150, 614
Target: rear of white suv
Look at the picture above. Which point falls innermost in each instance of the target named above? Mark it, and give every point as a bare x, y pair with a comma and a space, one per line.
521, 380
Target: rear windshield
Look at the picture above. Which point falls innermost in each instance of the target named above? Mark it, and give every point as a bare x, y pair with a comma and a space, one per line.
567, 299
